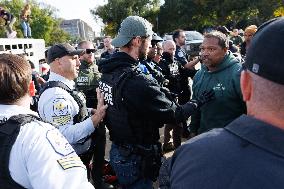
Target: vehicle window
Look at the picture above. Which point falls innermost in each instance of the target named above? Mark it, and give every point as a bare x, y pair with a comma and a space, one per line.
193, 36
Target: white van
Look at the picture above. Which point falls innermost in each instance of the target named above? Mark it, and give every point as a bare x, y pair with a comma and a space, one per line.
33, 48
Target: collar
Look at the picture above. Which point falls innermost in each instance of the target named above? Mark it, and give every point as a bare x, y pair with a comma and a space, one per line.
6, 111
259, 133
56, 77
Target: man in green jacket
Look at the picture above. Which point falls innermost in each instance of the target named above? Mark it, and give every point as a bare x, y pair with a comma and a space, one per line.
87, 82
220, 71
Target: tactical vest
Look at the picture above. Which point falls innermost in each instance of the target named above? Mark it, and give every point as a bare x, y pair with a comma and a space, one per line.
122, 127
81, 116
155, 71
9, 131
78, 97
87, 82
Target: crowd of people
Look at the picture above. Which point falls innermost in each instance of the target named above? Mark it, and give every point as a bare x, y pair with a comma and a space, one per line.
139, 85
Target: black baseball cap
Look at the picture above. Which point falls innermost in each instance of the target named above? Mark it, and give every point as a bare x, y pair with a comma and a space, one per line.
157, 38
265, 56
60, 50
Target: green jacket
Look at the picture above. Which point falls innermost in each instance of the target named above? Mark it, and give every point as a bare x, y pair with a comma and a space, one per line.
227, 105
87, 82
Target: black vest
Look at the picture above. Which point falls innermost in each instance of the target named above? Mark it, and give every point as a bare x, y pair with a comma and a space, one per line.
9, 131
124, 126
155, 71
78, 97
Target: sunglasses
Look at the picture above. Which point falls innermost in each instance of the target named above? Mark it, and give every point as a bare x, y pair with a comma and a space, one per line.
89, 51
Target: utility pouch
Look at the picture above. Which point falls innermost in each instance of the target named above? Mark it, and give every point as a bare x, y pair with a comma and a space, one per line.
151, 164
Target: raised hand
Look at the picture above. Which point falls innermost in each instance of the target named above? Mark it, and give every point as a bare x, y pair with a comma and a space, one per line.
100, 112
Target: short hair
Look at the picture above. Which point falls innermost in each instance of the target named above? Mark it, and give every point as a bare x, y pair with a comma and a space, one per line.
81, 43
223, 41
45, 53
15, 77
176, 34
268, 94
166, 43
31, 64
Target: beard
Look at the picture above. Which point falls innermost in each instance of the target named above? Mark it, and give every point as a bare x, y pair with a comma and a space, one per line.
143, 52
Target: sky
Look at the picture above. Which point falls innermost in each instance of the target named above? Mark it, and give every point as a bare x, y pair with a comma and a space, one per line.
77, 9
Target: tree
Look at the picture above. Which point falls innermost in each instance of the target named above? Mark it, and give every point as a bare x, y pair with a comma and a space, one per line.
115, 11
43, 23
197, 14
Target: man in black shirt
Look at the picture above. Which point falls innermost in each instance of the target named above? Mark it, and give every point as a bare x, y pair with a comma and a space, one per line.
137, 107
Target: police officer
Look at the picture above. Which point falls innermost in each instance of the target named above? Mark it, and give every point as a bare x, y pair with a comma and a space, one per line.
138, 107
32, 152
150, 64
249, 152
174, 72
182, 57
62, 105
87, 82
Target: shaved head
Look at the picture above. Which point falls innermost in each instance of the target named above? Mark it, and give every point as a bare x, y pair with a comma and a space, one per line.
268, 94
169, 46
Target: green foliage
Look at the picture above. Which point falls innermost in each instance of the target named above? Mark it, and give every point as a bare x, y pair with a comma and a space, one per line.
116, 10
197, 14
43, 24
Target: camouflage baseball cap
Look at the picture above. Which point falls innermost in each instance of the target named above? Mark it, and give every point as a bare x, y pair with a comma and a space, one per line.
130, 27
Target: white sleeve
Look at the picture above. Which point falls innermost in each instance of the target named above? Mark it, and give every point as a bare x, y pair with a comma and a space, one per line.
59, 108
49, 160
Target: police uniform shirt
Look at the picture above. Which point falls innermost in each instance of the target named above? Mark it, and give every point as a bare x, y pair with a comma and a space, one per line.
41, 157
248, 153
181, 55
58, 107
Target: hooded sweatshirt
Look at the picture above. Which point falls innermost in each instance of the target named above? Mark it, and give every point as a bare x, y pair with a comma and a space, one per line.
228, 103
141, 93
148, 104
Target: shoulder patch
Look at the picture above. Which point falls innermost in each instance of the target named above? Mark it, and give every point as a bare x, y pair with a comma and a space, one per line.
59, 143
60, 107
180, 54
70, 162
61, 114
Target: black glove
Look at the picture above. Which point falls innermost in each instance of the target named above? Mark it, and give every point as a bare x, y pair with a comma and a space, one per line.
171, 96
205, 97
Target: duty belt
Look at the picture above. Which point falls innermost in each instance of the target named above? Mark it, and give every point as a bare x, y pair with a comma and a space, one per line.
128, 149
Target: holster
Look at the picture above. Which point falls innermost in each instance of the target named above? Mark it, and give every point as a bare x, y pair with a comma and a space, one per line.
151, 163
150, 158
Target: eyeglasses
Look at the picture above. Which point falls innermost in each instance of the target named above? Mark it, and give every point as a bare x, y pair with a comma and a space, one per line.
89, 51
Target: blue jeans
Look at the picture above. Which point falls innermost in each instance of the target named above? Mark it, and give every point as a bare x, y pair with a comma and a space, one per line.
128, 170
26, 29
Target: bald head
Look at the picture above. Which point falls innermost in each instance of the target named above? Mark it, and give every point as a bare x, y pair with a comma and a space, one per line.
169, 46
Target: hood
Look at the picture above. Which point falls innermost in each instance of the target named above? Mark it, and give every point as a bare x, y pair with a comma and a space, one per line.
117, 60
228, 61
